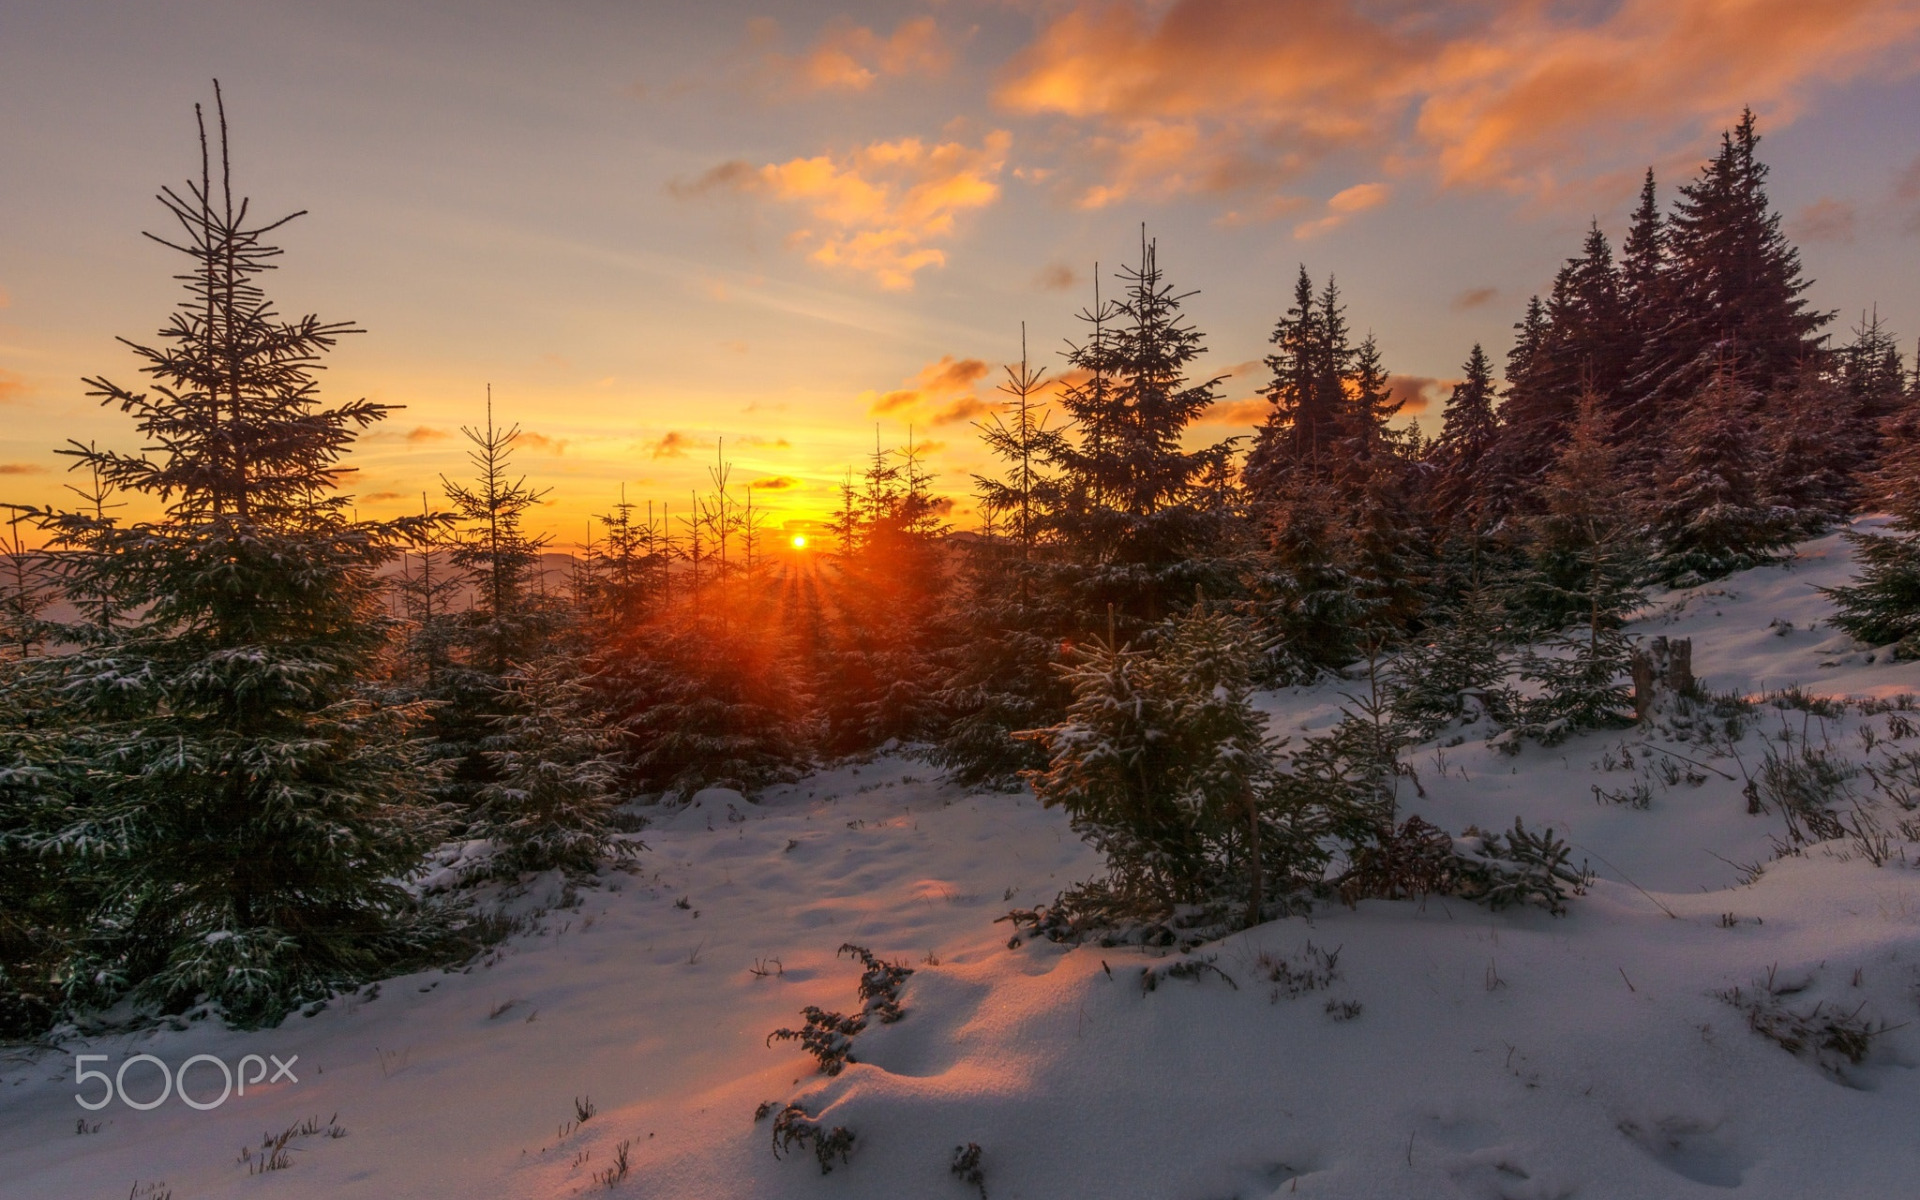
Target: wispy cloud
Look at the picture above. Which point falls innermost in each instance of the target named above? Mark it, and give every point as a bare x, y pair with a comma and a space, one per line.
17, 468
541, 443
1825, 220
879, 210
674, 444
1341, 206
940, 393
775, 483
1468, 299
852, 58
1217, 95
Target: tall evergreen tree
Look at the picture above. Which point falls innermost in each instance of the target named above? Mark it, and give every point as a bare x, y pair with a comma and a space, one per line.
1588, 560
1468, 431
1576, 344
1737, 299
1310, 365
1882, 604
1710, 513
1137, 529
1003, 678
251, 805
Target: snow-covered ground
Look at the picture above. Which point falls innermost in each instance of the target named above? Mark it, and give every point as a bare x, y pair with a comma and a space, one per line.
1492, 1054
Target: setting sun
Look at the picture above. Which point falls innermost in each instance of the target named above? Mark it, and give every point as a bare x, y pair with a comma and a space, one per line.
799, 541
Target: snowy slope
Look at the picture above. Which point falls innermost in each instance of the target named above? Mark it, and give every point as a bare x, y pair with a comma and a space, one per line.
1493, 1055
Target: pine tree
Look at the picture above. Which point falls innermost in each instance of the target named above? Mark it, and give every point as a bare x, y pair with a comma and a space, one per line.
1456, 670
1468, 431
1164, 765
1882, 604
1735, 300
1873, 371
1709, 514
1588, 560
550, 802
1138, 531
1306, 590
1577, 344
1310, 364
1002, 678
1813, 439
251, 808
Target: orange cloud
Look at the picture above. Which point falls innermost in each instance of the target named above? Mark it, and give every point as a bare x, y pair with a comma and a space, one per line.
765, 443
851, 58
382, 497
940, 393
1210, 95
13, 468
876, 210
1251, 411
12, 387
1420, 392
1342, 205
542, 443
1056, 277
674, 444
422, 433
775, 483
1472, 298
1825, 220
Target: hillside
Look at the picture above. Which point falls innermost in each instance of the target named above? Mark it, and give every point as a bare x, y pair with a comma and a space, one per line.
1451, 1052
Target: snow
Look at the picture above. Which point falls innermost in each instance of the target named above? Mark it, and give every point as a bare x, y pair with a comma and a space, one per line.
1493, 1055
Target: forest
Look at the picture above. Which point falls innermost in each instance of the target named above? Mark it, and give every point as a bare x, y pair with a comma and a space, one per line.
235, 734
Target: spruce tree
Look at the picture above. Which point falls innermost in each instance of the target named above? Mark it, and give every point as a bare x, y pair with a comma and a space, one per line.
1588, 561
1305, 589
1882, 604
249, 806
1577, 344
1137, 528
1164, 765
1002, 677
1468, 431
1709, 513
1736, 298
1813, 439
550, 802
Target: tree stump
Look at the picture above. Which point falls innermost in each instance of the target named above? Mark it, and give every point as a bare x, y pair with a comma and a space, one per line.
1666, 665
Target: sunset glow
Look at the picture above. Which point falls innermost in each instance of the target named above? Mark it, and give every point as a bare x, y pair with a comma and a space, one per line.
667, 232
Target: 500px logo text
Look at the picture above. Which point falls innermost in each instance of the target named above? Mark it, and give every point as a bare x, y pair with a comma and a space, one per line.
172, 1081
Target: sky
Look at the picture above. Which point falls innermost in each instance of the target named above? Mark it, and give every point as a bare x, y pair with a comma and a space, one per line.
664, 233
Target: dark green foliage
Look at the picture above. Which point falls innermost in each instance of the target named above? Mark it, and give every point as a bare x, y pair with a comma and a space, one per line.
1162, 760
793, 1127
828, 1036
550, 802
1587, 553
248, 805
1882, 605
1311, 363
1002, 678
692, 709
1519, 867
1461, 493
1709, 513
966, 1167
1138, 526
1456, 670
1732, 298
1306, 592
1583, 685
